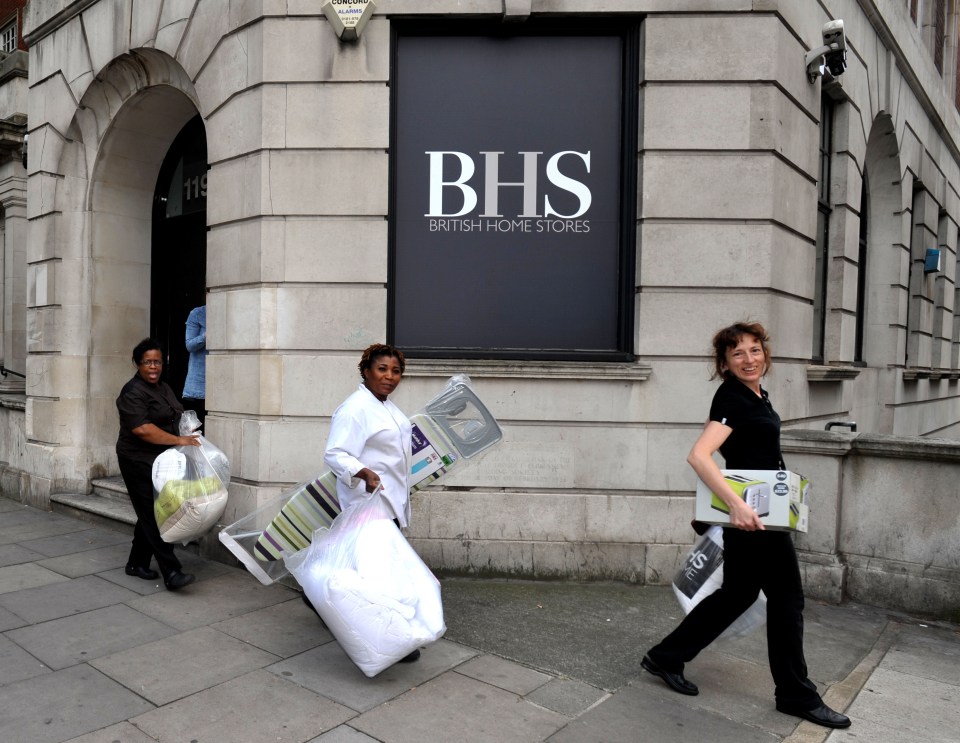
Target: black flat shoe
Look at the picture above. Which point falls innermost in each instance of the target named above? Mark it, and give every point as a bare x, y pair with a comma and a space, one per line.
177, 580
144, 573
414, 656
821, 715
675, 681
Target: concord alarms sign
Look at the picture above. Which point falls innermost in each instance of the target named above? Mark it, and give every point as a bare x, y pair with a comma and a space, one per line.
348, 17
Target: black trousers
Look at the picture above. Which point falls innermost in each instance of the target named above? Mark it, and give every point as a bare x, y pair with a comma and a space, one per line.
752, 561
147, 542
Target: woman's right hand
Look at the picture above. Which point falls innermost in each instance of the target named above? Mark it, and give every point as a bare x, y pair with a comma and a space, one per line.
744, 517
371, 478
188, 441
701, 459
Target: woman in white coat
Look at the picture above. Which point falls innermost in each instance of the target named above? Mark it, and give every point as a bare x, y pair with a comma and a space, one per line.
370, 437
370, 440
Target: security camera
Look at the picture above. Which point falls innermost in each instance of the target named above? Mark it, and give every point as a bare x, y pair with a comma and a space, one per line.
832, 55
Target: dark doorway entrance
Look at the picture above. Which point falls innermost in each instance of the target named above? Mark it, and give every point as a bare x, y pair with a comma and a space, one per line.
178, 281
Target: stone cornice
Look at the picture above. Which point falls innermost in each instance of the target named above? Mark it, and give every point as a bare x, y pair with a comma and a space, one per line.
825, 373
872, 444
485, 368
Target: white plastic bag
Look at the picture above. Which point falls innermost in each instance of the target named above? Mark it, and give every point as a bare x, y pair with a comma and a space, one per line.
376, 596
702, 574
190, 486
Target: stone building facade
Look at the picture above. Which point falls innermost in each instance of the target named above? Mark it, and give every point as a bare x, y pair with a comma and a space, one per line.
751, 191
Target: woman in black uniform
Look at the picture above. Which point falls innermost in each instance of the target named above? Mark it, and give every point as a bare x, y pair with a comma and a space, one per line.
149, 424
744, 427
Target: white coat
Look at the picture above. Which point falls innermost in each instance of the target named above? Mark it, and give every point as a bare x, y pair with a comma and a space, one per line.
366, 432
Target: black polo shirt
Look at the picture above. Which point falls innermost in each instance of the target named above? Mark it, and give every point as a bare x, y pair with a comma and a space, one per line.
141, 402
754, 443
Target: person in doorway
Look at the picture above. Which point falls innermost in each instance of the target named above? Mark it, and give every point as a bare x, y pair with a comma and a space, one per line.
194, 388
370, 440
149, 419
745, 429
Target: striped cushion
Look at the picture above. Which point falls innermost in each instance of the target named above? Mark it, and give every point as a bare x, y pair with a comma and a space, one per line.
311, 505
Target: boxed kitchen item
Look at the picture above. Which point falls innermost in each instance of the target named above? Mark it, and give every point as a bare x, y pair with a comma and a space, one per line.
778, 496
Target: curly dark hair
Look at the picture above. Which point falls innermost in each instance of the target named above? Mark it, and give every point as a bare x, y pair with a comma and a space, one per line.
370, 353
147, 344
729, 337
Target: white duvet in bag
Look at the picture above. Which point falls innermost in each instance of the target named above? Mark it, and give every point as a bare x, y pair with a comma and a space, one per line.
375, 594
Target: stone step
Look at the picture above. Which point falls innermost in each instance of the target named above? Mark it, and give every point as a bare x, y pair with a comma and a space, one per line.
111, 487
103, 510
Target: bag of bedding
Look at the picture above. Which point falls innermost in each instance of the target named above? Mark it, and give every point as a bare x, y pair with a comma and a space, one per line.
376, 596
189, 486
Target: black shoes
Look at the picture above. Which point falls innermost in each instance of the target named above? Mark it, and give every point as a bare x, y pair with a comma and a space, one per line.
144, 573
675, 681
821, 715
177, 580
415, 655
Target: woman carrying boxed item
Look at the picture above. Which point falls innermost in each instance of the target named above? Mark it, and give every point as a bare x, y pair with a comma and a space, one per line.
745, 429
149, 416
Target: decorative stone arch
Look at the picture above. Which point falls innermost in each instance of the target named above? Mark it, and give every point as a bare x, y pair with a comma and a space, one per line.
887, 261
107, 172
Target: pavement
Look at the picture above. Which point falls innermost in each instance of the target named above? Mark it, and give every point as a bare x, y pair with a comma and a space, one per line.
90, 655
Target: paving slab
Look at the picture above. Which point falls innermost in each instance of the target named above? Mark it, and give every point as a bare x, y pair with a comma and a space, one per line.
504, 674
344, 734
633, 714
122, 732
83, 637
9, 620
212, 599
131, 582
257, 706
64, 597
569, 697
76, 541
15, 554
928, 652
88, 562
64, 704
46, 527
284, 629
183, 664
16, 664
328, 670
908, 705
21, 515
19, 577
477, 712
597, 633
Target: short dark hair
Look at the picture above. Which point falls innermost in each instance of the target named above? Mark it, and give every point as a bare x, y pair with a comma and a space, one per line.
729, 337
147, 344
377, 350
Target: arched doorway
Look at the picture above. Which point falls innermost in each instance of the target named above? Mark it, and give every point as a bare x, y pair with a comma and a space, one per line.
178, 277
